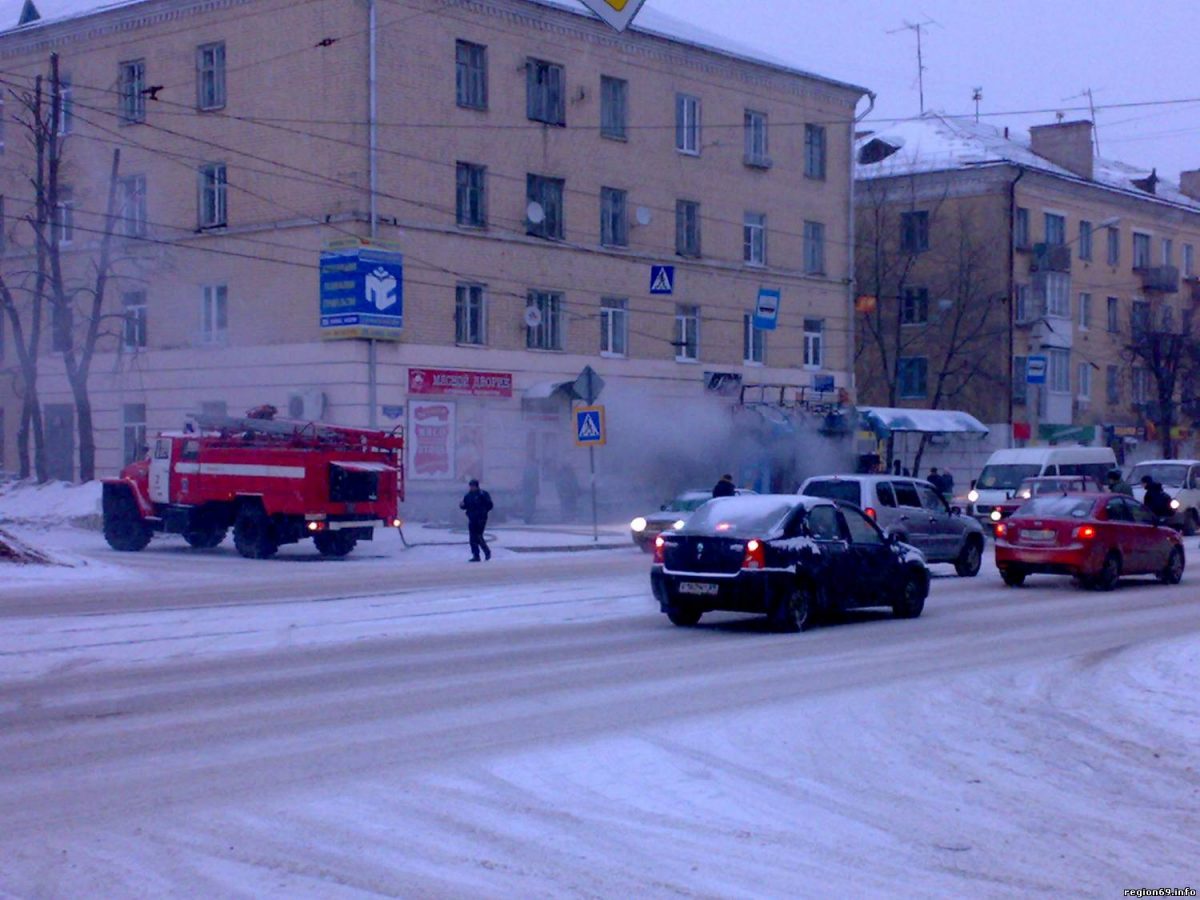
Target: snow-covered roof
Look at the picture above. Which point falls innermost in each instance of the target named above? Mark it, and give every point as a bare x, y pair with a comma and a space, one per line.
31, 13
936, 142
889, 419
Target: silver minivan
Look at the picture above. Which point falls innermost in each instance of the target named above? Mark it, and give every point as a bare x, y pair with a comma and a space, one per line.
913, 511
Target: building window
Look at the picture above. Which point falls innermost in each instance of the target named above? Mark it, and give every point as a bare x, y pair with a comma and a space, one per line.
754, 239
1056, 228
1141, 251
814, 343
62, 323
1112, 385
131, 83
213, 212
814, 151
1023, 304
914, 372
1114, 246
66, 106
470, 315
547, 193
687, 333
754, 342
133, 428
544, 100
814, 248
687, 124
470, 198
914, 306
548, 333
1141, 385
1114, 315
132, 199
1058, 371
1189, 260
210, 76
1020, 384
614, 326
1058, 294
133, 305
1085, 311
1139, 319
214, 314
470, 75
1021, 227
64, 216
1168, 251
914, 231
1085, 239
614, 223
1083, 382
755, 128
687, 228
614, 107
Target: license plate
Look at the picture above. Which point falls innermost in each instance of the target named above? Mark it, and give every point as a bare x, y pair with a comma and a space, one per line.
1038, 534
698, 587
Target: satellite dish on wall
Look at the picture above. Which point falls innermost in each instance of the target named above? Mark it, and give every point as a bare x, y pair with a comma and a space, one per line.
642, 215
533, 316
534, 213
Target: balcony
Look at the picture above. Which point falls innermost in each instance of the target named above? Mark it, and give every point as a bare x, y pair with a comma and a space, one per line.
1051, 258
1161, 279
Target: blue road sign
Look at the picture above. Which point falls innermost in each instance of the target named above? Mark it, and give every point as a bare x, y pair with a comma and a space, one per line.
662, 279
766, 311
589, 426
1035, 370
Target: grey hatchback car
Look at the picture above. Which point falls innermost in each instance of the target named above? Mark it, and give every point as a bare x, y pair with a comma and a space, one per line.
913, 511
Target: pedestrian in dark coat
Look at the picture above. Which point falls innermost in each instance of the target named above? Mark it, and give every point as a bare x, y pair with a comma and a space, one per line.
477, 504
1156, 498
724, 487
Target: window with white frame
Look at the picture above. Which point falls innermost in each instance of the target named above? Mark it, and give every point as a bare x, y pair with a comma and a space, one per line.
547, 193
754, 239
754, 342
814, 343
914, 306
614, 220
814, 248
814, 151
1023, 306
755, 128
470, 314
1168, 252
212, 199
131, 192
1112, 385
1056, 228
687, 228
1139, 318
1142, 385
614, 107
1058, 371
548, 333
470, 196
1085, 239
470, 75
1058, 294
1083, 382
64, 216
210, 75
545, 88
133, 431
1113, 314
614, 326
1114, 245
1085, 311
66, 106
133, 307
1189, 260
1021, 227
687, 124
914, 376
131, 89
1020, 380
687, 333
214, 313
1141, 251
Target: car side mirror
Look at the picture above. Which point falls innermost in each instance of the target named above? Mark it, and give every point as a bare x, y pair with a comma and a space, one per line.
956, 510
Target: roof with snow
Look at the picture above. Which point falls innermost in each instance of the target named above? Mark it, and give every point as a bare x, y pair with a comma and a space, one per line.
936, 142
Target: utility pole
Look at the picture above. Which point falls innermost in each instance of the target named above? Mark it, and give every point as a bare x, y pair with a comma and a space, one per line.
918, 27
977, 95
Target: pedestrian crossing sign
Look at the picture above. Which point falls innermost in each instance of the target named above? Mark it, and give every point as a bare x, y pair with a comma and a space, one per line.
589, 426
662, 279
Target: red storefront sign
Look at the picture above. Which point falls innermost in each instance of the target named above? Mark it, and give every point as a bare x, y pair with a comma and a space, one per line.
460, 383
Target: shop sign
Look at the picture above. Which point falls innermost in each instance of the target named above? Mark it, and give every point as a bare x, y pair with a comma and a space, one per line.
460, 383
431, 440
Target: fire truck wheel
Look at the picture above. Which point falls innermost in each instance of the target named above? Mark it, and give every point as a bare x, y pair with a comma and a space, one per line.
204, 538
123, 526
334, 543
253, 534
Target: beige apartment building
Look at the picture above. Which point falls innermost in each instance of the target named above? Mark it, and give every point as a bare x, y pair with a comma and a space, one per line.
558, 196
981, 251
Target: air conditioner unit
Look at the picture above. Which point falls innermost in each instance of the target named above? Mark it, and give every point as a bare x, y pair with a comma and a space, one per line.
308, 405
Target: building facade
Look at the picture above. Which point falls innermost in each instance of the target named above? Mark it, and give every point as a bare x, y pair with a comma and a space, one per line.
560, 196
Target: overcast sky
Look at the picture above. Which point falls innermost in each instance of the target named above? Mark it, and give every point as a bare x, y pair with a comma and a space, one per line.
1025, 54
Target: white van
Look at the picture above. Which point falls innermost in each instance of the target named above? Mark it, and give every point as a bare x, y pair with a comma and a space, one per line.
1180, 478
1006, 469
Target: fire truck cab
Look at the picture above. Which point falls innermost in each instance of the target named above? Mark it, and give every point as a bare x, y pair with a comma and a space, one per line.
272, 481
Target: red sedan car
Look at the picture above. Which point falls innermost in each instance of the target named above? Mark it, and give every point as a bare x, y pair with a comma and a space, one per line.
1096, 538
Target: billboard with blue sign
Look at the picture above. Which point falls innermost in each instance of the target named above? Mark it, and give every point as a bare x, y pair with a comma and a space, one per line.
362, 290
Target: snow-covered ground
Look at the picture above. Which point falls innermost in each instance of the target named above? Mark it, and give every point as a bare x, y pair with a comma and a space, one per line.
399, 723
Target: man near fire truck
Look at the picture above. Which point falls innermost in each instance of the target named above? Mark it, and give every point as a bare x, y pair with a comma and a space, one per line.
478, 504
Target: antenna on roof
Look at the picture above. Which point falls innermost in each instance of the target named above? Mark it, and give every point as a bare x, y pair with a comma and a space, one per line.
977, 95
918, 27
1087, 92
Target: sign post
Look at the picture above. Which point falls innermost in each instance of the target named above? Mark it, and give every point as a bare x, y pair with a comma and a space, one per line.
589, 428
617, 13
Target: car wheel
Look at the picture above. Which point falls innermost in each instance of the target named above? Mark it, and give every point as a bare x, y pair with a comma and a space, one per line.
1110, 573
334, 543
253, 534
795, 611
123, 526
912, 597
1191, 523
1013, 576
968, 562
683, 616
204, 538
1172, 573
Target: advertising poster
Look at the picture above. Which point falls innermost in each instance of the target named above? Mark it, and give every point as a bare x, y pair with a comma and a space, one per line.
431, 439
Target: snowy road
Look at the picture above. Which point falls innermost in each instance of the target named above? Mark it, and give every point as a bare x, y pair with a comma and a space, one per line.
181, 724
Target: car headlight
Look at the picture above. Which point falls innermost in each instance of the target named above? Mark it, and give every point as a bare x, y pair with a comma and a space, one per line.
638, 524
995, 515
1025, 495
678, 524
1174, 504
973, 496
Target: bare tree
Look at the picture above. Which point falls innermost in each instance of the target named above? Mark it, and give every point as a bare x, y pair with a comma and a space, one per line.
1170, 355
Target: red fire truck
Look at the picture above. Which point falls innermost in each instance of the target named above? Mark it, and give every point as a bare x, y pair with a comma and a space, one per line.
274, 481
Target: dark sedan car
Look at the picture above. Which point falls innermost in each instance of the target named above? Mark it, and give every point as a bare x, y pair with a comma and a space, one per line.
790, 557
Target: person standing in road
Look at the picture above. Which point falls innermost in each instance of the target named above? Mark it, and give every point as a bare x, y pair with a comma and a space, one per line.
1156, 498
477, 504
724, 487
935, 478
1115, 483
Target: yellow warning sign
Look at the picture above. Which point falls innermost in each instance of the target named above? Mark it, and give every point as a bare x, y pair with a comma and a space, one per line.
617, 13
618, 5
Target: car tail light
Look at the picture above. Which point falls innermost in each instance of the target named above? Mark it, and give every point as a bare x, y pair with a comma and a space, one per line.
756, 557
659, 543
1001, 530
1085, 532
870, 511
